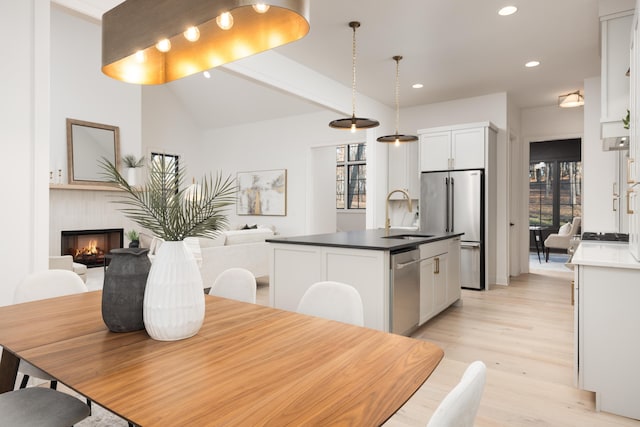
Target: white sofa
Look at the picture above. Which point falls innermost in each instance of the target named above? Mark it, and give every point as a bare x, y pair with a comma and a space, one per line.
65, 262
236, 247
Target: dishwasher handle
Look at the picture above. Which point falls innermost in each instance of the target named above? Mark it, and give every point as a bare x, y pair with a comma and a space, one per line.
402, 265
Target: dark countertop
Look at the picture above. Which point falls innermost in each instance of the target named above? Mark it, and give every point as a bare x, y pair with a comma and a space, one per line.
367, 239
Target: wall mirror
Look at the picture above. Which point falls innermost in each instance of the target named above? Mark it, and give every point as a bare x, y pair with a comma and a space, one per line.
87, 144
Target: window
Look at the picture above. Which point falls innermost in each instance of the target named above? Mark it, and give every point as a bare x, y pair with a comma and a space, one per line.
351, 176
170, 162
555, 182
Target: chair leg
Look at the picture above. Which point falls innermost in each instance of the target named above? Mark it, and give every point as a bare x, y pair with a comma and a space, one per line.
54, 385
546, 257
25, 380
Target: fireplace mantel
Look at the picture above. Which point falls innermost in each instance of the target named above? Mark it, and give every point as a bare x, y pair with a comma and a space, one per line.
83, 187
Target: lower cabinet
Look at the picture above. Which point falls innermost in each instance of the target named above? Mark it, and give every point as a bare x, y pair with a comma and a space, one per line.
439, 277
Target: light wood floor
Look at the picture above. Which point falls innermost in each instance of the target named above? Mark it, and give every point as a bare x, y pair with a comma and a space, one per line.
524, 334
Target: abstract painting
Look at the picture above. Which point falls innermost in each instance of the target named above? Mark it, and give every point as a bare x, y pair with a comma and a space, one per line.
262, 192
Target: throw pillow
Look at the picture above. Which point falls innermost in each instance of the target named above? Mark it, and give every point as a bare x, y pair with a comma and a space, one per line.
564, 230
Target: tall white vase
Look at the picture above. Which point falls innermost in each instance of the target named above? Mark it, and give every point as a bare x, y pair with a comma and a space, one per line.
131, 176
174, 298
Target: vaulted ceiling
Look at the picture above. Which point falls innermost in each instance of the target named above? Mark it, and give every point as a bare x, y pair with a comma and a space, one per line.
455, 48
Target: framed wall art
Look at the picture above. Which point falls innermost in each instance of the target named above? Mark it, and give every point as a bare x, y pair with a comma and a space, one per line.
262, 192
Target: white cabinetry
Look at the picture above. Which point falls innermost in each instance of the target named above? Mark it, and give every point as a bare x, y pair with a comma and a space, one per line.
455, 147
633, 171
614, 31
607, 339
439, 277
403, 170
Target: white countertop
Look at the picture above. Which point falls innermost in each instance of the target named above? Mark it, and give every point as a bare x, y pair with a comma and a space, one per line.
604, 254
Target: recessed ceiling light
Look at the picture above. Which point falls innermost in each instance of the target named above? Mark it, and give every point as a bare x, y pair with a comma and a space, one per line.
417, 85
507, 10
532, 64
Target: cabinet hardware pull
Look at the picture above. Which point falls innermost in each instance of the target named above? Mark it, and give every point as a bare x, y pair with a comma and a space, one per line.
615, 199
629, 162
437, 266
629, 210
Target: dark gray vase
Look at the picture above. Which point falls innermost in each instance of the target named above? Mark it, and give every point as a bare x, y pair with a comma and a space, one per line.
123, 289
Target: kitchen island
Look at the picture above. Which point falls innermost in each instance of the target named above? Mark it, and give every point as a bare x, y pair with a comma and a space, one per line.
404, 278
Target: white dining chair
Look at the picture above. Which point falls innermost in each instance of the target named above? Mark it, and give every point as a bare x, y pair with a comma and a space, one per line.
235, 283
41, 285
334, 301
460, 406
42, 407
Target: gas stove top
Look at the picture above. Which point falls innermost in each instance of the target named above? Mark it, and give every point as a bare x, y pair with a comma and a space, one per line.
606, 237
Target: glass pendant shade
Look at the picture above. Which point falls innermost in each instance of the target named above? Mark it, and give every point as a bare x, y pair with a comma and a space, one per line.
397, 138
354, 123
131, 30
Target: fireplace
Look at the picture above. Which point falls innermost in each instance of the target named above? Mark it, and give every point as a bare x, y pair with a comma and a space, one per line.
90, 247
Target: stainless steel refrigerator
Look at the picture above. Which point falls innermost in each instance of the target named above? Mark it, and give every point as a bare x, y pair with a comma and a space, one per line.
453, 202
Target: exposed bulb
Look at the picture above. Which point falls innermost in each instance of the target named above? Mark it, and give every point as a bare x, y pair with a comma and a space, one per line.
225, 20
353, 128
397, 143
163, 45
261, 7
192, 34
207, 75
140, 56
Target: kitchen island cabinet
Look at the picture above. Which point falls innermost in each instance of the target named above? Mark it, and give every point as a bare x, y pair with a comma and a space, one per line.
607, 324
363, 260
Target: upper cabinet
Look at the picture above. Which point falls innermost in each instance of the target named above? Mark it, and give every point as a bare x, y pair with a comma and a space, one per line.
455, 147
615, 31
403, 170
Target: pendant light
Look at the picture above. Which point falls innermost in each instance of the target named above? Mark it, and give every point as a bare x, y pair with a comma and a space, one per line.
354, 123
155, 42
397, 138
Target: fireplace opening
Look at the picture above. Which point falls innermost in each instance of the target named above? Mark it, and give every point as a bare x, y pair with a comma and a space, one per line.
91, 247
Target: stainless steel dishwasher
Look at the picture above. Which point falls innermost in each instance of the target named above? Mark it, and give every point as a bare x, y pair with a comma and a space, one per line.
405, 291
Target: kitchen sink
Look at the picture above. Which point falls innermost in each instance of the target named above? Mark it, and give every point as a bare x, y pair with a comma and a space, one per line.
409, 236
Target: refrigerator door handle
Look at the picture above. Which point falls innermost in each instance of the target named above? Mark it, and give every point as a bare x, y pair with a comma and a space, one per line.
452, 206
446, 192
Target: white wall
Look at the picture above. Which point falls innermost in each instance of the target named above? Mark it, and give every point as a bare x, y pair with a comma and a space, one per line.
24, 124
80, 91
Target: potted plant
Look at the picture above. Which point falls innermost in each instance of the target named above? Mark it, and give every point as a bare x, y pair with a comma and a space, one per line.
131, 163
134, 238
173, 298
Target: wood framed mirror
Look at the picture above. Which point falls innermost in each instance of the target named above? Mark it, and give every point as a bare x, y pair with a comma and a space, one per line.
87, 144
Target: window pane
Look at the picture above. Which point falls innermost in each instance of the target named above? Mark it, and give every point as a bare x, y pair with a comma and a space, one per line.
541, 194
570, 191
356, 198
340, 149
340, 187
357, 152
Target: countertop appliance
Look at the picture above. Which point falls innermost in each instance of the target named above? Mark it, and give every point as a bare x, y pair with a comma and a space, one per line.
405, 291
453, 202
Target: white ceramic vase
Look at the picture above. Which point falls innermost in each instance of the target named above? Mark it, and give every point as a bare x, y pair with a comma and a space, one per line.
174, 298
131, 176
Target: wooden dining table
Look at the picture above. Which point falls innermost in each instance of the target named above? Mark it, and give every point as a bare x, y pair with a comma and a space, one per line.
248, 365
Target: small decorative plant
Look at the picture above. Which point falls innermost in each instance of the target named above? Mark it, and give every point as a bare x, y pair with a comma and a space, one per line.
134, 237
131, 162
626, 120
168, 208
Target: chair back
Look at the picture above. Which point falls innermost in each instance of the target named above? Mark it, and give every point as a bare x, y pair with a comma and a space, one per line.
460, 406
575, 226
60, 262
48, 284
334, 301
235, 283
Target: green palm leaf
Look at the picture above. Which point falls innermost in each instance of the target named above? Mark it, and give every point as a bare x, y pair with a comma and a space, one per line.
170, 210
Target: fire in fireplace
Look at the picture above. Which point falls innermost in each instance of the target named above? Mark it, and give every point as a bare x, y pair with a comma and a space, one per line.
91, 247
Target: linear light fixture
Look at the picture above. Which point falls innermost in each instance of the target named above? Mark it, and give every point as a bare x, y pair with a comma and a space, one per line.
354, 123
570, 100
153, 42
397, 138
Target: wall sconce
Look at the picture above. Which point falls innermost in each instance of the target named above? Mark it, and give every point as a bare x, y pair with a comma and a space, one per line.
570, 100
150, 42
